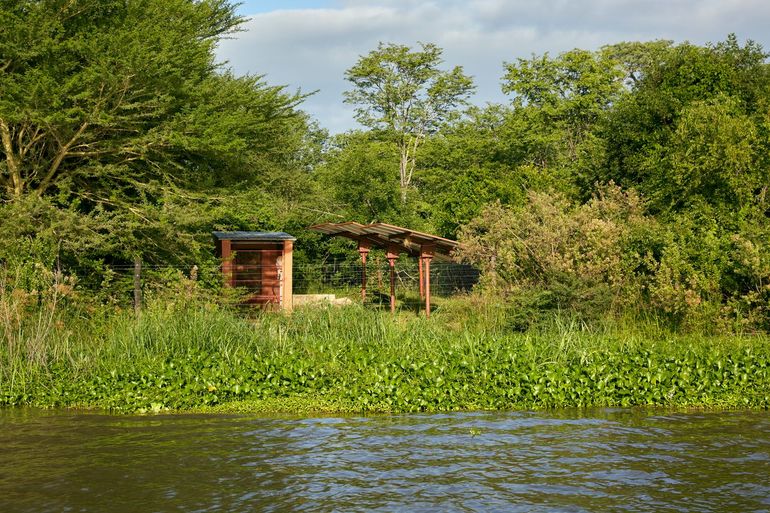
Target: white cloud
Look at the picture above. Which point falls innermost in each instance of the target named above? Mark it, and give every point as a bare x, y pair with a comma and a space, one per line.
311, 49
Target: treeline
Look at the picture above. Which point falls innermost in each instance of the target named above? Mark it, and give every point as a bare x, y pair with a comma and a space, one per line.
652, 174
628, 181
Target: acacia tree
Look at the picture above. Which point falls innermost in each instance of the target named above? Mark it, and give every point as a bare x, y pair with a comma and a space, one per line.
403, 94
115, 109
107, 90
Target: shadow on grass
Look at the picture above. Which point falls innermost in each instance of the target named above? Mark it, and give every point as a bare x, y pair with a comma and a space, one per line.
381, 302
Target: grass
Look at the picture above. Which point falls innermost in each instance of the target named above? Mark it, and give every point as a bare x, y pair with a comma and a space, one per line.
194, 356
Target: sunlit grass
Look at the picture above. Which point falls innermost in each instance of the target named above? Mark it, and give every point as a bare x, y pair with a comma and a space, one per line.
204, 357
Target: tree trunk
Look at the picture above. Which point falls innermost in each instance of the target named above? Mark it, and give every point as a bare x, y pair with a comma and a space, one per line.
404, 172
16, 185
408, 150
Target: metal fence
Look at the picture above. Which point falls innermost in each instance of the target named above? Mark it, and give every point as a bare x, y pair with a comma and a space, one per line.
130, 283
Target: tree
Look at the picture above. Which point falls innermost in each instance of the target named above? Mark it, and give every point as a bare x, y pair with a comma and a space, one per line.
710, 159
404, 95
115, 110
474, 161
565, 96
689, 134
554, 254
358, 179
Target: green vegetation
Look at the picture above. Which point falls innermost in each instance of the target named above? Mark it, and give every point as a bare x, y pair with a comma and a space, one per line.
624, 187
403, 96
193, 356
143, 141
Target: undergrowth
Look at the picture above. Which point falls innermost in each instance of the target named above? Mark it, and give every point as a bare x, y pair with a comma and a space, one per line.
193, 356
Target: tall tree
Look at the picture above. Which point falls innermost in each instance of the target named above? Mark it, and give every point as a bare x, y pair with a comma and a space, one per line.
403, 94
117, 109
563, 96
690, 133
95, 90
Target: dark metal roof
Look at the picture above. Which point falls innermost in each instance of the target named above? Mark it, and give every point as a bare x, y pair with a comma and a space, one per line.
384, 235
257, 236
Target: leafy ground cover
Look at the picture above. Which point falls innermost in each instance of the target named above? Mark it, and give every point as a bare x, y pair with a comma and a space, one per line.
206, 358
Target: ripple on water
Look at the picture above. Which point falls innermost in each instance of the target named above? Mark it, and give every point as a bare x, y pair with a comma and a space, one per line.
599, 460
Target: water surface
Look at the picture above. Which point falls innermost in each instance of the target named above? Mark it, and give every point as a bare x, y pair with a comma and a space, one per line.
574, 461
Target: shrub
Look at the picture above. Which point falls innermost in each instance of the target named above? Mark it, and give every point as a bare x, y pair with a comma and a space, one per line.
552, 254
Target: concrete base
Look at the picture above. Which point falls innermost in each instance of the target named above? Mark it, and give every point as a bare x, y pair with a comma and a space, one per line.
320, 299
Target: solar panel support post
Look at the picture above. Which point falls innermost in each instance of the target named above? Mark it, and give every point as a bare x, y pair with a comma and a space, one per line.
392, 256
426, 255
363, 250
422, 285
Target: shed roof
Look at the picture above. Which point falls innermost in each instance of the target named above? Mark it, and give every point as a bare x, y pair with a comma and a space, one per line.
257, 236
384, 235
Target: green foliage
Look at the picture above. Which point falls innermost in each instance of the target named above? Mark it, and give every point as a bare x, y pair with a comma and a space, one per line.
574, 258
562, 99
403, 90
404, 96
184, 357
358, 176
141, 134
471, 163
574, 89
685, 128
694, 111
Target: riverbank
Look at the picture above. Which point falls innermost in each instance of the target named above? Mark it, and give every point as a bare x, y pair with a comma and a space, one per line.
206, 358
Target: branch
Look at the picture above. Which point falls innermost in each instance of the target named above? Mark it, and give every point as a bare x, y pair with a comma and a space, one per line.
105, 201
36, 136
63, 152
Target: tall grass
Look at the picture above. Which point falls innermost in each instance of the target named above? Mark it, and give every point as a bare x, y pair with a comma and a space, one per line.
183, 353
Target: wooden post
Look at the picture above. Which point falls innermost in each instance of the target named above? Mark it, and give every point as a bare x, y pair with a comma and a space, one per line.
287, 295
427, 287
137, 285
426, 255
392, 255
422, 286
363, 250
227, 263
279, 272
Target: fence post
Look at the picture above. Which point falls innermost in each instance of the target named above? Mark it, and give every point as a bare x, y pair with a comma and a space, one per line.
137, 284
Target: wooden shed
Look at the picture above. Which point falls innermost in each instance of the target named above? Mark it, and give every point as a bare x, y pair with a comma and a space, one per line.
260, 262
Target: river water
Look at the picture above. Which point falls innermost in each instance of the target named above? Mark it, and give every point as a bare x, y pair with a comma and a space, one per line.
575, 461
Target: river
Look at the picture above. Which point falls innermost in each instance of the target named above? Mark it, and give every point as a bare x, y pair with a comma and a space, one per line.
572, 461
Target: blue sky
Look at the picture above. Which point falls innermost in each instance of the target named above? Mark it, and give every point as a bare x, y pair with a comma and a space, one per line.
308, 44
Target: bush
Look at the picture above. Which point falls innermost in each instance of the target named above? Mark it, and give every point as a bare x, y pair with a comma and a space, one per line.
553, 255
608, 257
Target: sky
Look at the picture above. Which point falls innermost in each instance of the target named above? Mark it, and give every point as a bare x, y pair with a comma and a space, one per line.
308, 44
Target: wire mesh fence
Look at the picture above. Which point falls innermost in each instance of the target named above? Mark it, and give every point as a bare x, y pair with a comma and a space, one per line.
129, 283
446, 278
